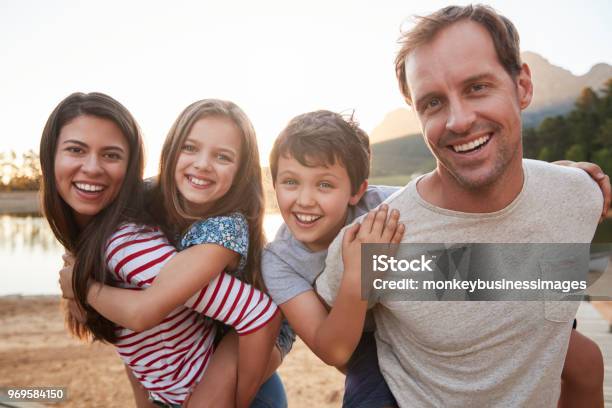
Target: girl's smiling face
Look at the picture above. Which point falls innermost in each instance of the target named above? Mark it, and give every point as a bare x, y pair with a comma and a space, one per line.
207, 163
90, 164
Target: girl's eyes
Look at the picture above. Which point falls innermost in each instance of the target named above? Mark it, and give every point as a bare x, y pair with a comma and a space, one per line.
224, 157
325, 184
289, 182
188, 148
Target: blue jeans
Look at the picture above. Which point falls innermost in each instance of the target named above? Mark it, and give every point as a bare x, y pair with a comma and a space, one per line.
271, 394
365, 387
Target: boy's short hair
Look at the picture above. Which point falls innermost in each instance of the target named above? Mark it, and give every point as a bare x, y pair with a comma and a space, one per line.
320, 138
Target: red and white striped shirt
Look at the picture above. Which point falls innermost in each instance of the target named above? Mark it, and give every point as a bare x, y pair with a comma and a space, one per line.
170, 358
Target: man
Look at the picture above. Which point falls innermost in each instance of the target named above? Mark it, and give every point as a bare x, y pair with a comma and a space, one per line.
460, 70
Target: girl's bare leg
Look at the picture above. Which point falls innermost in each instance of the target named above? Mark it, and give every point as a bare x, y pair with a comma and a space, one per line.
218, 385
141, 396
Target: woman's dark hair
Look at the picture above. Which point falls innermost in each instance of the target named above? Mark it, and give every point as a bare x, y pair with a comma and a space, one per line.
88, 244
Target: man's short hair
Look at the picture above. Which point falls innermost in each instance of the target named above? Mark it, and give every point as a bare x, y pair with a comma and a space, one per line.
319, 139
503, 33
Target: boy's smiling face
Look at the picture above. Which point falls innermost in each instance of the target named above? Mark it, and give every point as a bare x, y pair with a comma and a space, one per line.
314, 200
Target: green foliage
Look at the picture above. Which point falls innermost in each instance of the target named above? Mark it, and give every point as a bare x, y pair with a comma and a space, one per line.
19, 174
576, 153
584, 134
395, 180
603, 157
545, 154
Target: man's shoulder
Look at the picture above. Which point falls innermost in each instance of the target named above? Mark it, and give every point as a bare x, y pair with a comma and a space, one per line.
569, 182
567, 192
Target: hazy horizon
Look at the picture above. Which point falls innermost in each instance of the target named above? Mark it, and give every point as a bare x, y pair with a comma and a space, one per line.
273, 59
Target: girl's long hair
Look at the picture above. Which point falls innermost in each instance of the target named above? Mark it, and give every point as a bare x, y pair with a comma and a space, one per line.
245, 195
88, 244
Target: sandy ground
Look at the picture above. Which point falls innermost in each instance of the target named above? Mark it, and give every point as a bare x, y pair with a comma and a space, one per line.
35, 350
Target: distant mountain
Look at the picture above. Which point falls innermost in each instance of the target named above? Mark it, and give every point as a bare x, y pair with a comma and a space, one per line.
404, 155
397, 123
555, 90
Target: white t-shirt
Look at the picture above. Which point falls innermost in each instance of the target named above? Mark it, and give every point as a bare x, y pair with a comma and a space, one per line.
508, 354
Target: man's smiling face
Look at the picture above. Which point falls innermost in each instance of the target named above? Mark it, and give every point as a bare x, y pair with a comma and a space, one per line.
468, 105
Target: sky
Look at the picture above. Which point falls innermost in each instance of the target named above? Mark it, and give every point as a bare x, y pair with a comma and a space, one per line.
275, 59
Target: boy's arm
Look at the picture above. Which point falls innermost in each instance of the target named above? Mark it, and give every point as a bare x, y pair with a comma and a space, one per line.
333, 336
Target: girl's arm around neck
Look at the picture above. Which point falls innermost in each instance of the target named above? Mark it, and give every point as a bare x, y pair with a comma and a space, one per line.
179, 279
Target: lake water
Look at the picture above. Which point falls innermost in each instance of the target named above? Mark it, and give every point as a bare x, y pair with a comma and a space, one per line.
30, 257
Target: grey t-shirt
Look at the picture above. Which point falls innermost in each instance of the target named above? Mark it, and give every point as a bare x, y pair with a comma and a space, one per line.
289, 268
497, 353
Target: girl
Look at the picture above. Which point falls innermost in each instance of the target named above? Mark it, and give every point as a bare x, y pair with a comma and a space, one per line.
92, 161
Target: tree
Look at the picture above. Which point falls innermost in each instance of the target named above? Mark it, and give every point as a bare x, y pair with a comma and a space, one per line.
603, 157
8, 168
545, 154
604, 136
605, 106
553, 136
576, 153
531, 145
584, 121
22, 174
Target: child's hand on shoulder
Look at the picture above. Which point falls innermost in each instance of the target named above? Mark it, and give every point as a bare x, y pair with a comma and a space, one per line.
65, 281
376, 228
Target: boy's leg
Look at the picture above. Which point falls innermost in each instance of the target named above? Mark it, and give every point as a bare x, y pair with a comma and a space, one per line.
365, 387
583, 374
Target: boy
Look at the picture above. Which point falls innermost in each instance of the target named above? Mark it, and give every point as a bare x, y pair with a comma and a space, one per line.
320, 165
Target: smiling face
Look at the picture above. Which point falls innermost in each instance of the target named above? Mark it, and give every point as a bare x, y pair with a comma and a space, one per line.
207, 163
313, 200
90, 164
468, 105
